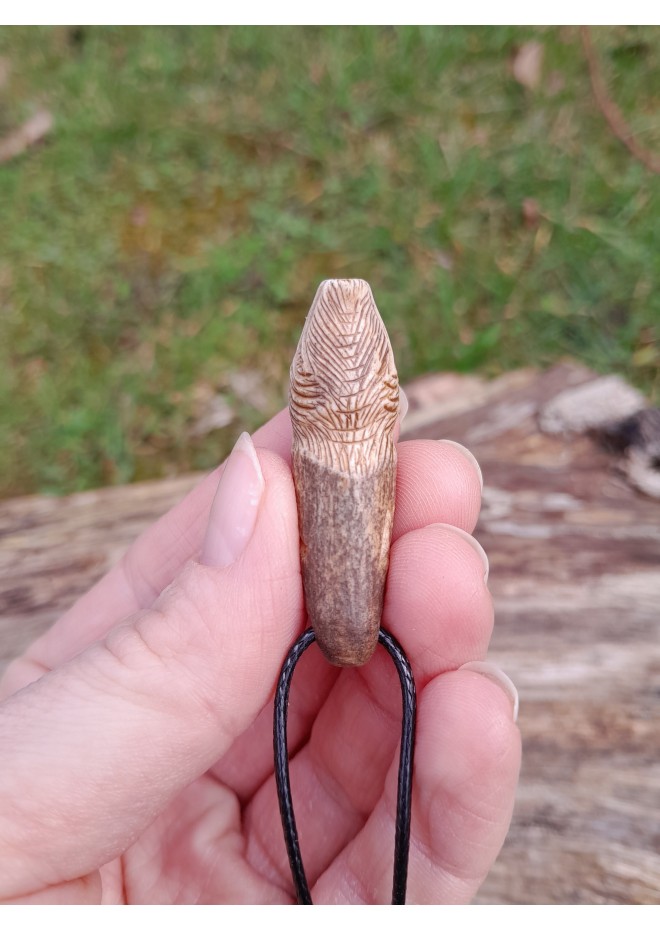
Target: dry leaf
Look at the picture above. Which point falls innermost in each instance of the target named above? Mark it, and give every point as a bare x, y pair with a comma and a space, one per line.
527, 64
249, 387
32, 131
218, 413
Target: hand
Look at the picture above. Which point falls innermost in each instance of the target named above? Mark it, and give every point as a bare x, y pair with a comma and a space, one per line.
137, 763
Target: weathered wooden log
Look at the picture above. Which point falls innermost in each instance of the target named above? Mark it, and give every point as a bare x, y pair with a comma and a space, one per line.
344, 403
575, 575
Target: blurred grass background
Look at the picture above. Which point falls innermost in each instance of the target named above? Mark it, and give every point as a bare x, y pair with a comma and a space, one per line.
159, 250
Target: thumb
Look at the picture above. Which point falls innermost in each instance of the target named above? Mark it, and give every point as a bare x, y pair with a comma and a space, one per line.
95, 750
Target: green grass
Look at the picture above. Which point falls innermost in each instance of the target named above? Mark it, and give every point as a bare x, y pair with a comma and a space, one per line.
170, 233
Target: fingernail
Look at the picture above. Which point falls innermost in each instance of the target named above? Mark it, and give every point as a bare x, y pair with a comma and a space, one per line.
468, 455
496, 675
403, 404
235, 506
478, 548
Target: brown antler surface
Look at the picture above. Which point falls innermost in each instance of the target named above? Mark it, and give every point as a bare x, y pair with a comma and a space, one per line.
344, 404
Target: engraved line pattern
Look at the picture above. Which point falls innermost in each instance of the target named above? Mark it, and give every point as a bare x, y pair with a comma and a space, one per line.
344, 396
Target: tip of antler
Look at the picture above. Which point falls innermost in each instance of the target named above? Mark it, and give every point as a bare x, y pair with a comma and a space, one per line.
348, 288
344, 299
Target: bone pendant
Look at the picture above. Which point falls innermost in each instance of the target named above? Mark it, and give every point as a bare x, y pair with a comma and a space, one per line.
344, 403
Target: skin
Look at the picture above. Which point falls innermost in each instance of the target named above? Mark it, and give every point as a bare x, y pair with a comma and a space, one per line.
136, 733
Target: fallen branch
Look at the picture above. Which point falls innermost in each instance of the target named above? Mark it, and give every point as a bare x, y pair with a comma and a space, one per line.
28, 134
610, 110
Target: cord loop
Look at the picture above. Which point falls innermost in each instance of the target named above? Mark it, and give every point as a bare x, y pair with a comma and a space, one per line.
404, 787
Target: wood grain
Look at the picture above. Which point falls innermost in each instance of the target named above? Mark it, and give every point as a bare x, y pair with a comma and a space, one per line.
344, 403
575, 574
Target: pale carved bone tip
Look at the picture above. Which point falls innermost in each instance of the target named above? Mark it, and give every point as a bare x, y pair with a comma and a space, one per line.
344, 403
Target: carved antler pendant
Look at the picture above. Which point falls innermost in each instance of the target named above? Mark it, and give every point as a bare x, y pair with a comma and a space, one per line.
344, 404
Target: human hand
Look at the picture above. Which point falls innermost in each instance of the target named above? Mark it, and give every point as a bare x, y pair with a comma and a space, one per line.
137, 764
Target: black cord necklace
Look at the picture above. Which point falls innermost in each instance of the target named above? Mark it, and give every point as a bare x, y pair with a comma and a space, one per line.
404, 788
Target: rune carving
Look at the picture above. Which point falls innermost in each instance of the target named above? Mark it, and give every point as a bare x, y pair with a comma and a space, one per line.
344, 397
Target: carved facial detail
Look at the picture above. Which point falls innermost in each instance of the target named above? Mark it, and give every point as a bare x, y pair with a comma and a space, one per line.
344, 396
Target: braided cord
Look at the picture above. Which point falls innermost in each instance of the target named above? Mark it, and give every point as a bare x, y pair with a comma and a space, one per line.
404, 788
